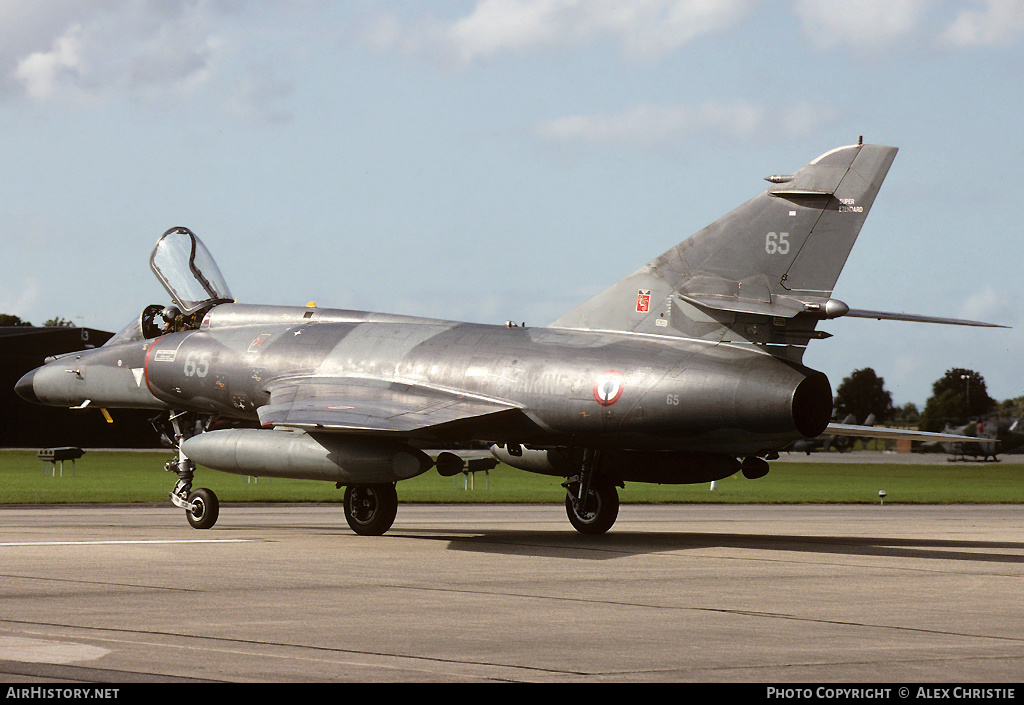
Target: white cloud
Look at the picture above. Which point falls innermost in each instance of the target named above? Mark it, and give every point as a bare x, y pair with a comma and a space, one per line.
796, 121
259, 95
90, 51
1000, 22
42, 71
859, 23
21, 298
646, 28
659, 125
648, 124
989, 305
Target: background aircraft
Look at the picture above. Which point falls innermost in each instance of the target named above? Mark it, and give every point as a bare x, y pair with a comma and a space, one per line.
686, 371
985, 450
984, 439
829, 441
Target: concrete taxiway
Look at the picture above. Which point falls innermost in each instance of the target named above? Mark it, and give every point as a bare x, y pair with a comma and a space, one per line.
881, 594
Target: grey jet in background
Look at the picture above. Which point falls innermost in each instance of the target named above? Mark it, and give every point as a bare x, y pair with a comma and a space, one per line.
686, 371
829, 441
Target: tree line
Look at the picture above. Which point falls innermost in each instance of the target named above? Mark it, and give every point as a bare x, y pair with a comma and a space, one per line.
7, 319
958, 397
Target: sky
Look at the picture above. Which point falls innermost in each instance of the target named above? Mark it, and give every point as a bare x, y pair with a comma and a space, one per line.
488, 160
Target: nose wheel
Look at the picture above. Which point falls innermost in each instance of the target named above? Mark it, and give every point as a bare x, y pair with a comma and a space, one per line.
204, 510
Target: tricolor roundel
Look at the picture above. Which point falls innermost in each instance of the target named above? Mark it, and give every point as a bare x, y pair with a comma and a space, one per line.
608, 387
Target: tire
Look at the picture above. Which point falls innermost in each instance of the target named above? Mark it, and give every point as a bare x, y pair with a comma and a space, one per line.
602, 508
206, 509
370, 510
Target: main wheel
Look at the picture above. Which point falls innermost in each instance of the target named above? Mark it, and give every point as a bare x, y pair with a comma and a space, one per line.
595, 514
371, 509
205, 509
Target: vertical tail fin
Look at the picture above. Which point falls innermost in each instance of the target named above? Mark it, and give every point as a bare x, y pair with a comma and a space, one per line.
763, 273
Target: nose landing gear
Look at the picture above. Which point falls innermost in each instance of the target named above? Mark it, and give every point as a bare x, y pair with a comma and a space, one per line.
202, 508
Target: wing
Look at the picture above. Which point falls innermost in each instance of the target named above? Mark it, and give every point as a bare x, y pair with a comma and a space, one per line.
369, 405
896, 434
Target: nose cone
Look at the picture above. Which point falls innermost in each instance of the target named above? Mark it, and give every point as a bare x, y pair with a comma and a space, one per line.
25, 389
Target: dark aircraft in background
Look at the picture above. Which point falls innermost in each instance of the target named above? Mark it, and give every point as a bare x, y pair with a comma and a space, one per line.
686, 371
830, 441
983, 449
984, 440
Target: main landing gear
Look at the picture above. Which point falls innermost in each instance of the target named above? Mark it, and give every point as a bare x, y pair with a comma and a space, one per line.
591, 501
370, 510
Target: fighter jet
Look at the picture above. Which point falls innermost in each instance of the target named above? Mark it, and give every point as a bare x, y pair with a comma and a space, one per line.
685, 371
984, 439
985, 450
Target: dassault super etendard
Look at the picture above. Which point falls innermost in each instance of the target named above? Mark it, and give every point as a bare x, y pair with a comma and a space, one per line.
688, 370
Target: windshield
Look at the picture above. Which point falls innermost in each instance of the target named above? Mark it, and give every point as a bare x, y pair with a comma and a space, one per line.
184, 266
129, 334
149, 325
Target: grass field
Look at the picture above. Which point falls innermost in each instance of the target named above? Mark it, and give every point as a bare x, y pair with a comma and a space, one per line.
128, 476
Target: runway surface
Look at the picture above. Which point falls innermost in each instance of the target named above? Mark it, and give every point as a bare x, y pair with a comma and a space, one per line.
771, 594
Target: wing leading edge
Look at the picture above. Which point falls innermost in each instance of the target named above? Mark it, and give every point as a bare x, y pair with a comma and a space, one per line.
894, 434
368, 405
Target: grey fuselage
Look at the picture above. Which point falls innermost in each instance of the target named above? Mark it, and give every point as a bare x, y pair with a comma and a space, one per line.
550, 387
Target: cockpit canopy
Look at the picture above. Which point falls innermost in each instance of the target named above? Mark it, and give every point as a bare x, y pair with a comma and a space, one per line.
186, 269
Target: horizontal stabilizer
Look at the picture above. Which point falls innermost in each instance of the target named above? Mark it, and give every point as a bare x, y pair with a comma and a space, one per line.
781, 306
895, 434
799, 193
887, 316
